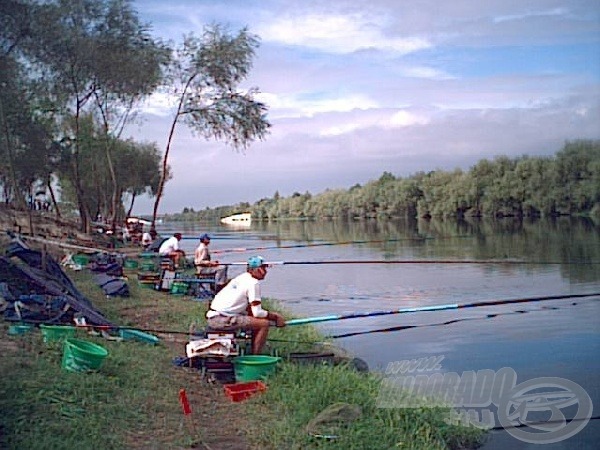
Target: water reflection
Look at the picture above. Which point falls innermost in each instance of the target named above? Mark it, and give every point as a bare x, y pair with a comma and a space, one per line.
558, 338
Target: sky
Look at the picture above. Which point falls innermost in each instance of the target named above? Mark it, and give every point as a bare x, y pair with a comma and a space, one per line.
355, 88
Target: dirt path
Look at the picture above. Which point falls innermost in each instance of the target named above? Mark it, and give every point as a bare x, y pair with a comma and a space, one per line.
217, 422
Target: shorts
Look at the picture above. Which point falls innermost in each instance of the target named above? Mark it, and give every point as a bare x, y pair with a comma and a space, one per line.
228, 323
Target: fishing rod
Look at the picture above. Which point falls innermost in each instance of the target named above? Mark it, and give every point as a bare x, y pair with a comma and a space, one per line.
319, 244
438, 324
308, 320
449, 306
68, 246
326, 244
417, 261
104, 327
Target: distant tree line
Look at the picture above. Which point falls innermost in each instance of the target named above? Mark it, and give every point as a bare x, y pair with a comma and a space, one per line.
73, 73
566, 184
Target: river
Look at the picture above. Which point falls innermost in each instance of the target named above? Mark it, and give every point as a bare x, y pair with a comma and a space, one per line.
535, 341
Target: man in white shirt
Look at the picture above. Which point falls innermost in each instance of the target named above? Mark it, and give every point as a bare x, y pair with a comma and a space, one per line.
170, 248
204, 265
238, 306
146, 240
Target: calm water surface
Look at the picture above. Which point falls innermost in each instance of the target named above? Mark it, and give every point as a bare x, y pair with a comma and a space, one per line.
558, 338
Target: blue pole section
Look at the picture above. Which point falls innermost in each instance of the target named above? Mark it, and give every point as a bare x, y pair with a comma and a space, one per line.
306, 320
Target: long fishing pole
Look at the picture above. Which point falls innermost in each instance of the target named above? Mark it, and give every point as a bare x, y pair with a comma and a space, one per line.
307, 320
323, 244
438, 324
417, 261
450, 306
104, 327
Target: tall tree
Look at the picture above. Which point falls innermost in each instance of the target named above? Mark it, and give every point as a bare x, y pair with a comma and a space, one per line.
128, 65
93, 54
204, 75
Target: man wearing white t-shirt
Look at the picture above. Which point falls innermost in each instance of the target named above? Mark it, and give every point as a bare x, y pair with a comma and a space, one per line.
238, 306
170, 248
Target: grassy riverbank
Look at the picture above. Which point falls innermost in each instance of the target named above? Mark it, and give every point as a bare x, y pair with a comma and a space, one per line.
133, 401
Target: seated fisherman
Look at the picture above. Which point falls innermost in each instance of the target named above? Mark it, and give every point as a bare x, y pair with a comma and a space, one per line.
204, 265
170, 248
146, 240
238, 306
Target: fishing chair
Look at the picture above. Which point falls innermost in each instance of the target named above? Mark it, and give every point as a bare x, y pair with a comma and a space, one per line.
166, 263
213, 350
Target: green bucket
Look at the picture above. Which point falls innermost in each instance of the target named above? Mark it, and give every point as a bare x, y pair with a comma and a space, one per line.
81, 259
132, 334
82, 356
254, 367
53, 333
147, 284
148, 266
17, 329
131, 264
179, 288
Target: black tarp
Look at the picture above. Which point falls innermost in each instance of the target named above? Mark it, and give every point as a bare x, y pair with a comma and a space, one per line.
38, 281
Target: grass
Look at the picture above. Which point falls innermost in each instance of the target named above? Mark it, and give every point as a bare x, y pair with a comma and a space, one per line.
133, 401
298, 393
43, 406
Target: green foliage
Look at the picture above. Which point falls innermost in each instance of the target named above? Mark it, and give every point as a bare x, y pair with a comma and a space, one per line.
76, 60
567, 184
204, 77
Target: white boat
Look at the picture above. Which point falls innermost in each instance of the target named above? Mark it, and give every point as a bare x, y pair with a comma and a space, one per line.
242, 219
132, 220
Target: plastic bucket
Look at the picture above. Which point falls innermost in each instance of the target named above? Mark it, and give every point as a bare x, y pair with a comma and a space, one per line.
147, 284
130, 264
254, 367
131, 334
179, 287
53, 333
81, 259
148, 266
14, 330
82, 356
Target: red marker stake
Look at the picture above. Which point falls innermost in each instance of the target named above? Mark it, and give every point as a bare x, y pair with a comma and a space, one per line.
184, 402
187, 412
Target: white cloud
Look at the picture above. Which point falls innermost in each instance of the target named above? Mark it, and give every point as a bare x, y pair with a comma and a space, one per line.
425, 72
337, 34
406, 119
378, 119
303, 105
158, 104
528, 14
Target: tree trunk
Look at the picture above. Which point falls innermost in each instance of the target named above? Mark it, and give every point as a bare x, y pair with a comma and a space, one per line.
53, 197
129, 211
13, 178
163, 174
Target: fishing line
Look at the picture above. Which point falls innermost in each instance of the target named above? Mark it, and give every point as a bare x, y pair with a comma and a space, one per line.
324, 244
451, 306
104, 327
308, 320
438, 324
419, 261
65, 245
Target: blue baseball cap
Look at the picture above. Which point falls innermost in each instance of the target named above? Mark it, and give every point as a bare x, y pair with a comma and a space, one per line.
204, 236
254, 262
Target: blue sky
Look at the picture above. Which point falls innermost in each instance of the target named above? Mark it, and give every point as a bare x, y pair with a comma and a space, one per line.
356, 88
